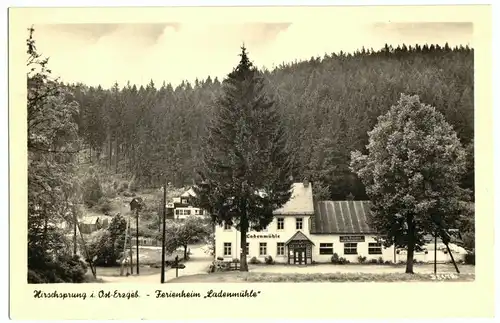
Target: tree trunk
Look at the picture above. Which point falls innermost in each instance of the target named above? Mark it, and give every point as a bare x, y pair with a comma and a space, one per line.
411, 245
243, 255
243, 237
45, 232
185, 252
75, 249
117, 152
110, 151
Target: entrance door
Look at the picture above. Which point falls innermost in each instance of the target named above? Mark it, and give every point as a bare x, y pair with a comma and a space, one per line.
299, 256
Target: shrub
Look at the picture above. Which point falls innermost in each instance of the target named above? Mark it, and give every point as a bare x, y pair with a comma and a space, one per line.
106, 245
343, 261
387, 262
115, 185
108, 190
269, 260
236, 261
254, 261
64, 269
373, 261
340, 260
380, 260
221, 258
470, 258
104, 205
121, 187
129, 194
361, 259
133, 186
92, 190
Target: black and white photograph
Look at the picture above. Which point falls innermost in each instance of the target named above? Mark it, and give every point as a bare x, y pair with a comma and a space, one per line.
250, 152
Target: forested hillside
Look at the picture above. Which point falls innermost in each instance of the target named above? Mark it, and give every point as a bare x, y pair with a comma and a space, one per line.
327, 105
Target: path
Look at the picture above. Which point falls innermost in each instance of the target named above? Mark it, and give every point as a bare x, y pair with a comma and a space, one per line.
198, 264
354, 268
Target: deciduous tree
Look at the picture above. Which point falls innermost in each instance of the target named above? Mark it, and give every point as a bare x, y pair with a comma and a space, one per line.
412, 174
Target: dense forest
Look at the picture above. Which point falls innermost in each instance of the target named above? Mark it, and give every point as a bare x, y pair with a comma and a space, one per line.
327, 106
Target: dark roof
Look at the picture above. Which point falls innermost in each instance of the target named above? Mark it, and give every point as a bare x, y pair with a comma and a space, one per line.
341, 217
298, 236
455, 237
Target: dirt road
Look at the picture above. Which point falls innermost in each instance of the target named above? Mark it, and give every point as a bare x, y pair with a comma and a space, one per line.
198, 264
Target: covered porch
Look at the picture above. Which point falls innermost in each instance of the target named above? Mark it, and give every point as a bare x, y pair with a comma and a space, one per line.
299, 249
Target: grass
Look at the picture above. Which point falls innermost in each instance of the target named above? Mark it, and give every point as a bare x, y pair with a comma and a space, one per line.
115, 271
149, 262
251, 277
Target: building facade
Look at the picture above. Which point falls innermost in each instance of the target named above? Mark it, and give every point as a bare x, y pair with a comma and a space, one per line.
183, 206
304, 231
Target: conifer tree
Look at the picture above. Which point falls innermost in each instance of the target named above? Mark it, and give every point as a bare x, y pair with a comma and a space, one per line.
246, 163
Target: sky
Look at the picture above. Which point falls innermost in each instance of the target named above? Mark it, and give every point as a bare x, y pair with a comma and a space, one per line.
102, 54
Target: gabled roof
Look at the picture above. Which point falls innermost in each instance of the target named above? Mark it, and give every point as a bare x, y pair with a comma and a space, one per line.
298, 236
455, 237
341, 217
301, 201
189, 193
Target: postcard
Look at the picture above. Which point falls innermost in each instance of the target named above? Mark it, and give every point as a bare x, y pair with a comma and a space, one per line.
252, 162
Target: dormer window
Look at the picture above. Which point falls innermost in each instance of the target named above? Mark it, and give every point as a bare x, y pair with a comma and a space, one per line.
227, 226
184, 201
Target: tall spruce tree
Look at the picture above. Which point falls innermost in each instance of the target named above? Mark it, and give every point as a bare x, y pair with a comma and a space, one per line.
246, 165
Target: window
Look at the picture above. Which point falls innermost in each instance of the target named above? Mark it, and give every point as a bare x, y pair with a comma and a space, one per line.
280, 249
227, 226
326, 248
182, 212
196, 212
227, 248
350, 248
248, 248
374, 248
298, 223
281, 223
202, 212
263, 249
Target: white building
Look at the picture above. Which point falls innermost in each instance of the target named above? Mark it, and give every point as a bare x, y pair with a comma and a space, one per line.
303, 231
183, 206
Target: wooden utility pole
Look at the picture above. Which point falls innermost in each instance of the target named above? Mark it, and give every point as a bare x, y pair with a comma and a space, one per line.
75, 242
125, 250
135, 206
435, 251
87, 255
452, 259
137, 239
163, 232
130, 247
